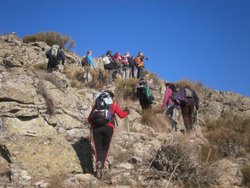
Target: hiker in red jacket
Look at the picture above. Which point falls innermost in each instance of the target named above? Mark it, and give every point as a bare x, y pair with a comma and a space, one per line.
103, 133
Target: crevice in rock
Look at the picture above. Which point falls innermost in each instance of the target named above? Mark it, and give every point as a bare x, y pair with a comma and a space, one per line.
27, 118
6, 99
4, 152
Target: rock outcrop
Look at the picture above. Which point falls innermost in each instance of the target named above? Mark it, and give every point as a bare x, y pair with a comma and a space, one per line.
44, 136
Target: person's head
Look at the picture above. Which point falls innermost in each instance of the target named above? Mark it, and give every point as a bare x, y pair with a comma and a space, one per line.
127, 54
140, 54
110, 93
167, 83
109, 52
89, 52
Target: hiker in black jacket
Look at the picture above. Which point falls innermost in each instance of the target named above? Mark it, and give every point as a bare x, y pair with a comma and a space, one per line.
54, 55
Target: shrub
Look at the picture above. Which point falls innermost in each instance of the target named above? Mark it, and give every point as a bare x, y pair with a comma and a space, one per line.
245, 170
50, 38
99, 79
126, 88
156, 120
230, 133
39, 66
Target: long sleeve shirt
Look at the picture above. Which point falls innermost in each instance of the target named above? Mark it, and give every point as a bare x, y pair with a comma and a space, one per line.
115, 109
91, 61
167, 98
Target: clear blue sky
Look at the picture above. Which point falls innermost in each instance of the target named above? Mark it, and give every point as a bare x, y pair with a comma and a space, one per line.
200, 40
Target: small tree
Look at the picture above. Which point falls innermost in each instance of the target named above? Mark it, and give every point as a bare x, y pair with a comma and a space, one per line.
51, 38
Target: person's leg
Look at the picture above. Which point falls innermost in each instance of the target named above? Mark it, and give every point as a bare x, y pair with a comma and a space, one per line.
190, 115
108, 132
98, 139
184, 111
138, 72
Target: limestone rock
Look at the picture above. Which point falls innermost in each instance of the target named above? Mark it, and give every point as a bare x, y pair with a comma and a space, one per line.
226, 173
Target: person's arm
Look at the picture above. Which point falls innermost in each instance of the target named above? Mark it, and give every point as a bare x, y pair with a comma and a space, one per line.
47, 53
196, 99
90, 115
166, 98
62, 56
119, 112
90, 60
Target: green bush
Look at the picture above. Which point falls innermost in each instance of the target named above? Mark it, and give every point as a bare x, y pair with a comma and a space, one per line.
50, 38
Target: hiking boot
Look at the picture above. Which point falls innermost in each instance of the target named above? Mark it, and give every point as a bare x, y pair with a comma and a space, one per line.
99, 170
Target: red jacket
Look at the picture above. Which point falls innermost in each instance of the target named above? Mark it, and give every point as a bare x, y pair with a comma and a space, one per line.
115, 109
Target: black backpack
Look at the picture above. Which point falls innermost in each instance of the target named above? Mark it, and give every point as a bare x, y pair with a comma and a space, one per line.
101, 114
85, 61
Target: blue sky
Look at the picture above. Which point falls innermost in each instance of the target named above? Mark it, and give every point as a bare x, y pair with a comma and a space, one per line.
200, 40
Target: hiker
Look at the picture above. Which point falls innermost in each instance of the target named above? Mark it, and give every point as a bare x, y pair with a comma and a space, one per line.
54, 55
126, 71
88, 60
168, 104
118, 60
187, 98
131, 66
109, 64
102, 120
139, 61
144, 94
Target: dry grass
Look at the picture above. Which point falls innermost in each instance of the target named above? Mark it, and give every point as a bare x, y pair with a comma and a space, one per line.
39, 66
57, 181
75, 75
50, 38
51, 110
156, 120
126, 88
208, 154
230, 134
100, 78
245, 170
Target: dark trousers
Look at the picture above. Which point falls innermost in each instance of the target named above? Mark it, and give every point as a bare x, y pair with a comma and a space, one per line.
139, 72
187, 111
145, 104
102, 138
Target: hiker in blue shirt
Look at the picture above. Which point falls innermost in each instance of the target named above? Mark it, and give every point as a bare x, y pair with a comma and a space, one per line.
90, 59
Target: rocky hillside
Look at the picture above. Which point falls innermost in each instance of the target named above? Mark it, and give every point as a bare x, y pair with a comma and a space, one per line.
45, 142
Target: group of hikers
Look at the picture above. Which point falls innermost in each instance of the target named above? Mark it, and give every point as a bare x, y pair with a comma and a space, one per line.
126, 65
102, 116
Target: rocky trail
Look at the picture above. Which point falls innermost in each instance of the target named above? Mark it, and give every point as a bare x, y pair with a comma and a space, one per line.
45, 139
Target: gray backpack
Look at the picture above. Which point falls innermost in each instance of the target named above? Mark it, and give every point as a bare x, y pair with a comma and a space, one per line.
54, 50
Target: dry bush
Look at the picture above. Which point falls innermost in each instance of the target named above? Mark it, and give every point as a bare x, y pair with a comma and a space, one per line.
76, 76
51, 109
126, 88
156, 120
99, 79
39, 66
50, 38
245, 170
230, 134
208, 154
57, 181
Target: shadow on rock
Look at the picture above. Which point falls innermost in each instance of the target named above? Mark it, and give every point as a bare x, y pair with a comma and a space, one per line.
85, 153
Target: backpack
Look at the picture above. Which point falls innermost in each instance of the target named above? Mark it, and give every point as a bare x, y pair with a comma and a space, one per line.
146, 93
54, 51
101, 113
106, 60
181, 95
85, 61
188, 93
